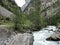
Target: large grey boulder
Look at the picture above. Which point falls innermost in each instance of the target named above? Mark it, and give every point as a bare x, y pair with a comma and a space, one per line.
20, 39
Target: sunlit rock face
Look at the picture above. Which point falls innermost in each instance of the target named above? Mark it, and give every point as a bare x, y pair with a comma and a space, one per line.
20, 3
25, 5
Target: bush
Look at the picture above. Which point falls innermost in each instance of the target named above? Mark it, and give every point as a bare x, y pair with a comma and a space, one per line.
22, 23
54, 20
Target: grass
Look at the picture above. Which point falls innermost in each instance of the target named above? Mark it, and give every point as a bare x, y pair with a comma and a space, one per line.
8, 25
5, 23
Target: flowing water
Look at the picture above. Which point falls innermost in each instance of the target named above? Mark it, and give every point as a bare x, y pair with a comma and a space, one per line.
40, 38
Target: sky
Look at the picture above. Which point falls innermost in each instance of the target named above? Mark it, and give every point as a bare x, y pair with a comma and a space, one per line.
20, 3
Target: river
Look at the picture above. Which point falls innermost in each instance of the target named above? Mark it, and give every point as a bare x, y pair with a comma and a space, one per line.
40, 38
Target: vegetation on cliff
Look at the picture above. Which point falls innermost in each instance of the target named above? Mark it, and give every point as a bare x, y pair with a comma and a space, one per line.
55, 19
32, 21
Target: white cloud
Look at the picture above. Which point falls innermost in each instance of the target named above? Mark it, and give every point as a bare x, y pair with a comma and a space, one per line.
20, 3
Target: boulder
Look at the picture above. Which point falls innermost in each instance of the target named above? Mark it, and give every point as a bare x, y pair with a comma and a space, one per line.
20, 39
55, 36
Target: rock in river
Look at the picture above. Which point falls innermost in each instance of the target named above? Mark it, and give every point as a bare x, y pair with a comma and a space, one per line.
55, 36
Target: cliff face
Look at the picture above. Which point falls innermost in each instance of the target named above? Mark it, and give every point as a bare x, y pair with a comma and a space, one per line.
48, 7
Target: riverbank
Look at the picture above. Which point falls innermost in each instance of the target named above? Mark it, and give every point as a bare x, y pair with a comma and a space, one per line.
9, 37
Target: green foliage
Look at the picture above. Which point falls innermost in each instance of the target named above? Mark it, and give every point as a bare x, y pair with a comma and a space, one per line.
2, 19
54, 20
6, 22
36, 17
24, 22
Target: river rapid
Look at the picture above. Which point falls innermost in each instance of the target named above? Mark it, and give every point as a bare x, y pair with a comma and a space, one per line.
40, 38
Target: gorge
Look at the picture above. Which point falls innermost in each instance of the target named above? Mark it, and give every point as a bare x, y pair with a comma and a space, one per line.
26, 22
